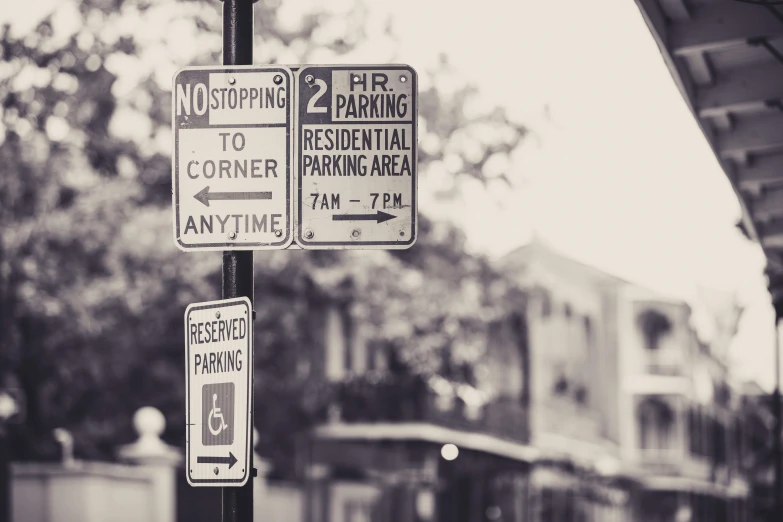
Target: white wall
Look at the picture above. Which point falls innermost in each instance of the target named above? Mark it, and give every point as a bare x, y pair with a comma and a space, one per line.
85, 492
280, 503
352, 501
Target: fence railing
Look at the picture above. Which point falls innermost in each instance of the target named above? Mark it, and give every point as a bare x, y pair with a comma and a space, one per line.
417, 399
664, 368
661, 459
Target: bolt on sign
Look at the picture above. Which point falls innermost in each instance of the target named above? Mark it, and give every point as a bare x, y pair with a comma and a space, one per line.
355, 180
219, 384
232, 185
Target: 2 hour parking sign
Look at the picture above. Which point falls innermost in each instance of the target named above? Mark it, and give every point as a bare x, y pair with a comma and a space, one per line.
356, 157
219, 383
231, 179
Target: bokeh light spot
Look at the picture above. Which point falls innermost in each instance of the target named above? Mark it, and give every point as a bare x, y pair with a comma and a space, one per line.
449, 451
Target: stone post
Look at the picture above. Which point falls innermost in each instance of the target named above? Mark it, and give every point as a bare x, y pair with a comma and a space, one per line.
316, 493
426, 492
157, 458
260, 503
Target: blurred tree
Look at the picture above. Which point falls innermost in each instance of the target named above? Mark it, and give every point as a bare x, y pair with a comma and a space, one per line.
92, 289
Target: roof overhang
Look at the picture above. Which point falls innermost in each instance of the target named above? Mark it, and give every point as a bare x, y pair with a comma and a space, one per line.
590, 458
726, 57
737, 488
426, 432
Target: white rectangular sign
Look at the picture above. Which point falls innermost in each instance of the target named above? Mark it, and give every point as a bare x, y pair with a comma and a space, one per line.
355, 179
219, 384
231, 167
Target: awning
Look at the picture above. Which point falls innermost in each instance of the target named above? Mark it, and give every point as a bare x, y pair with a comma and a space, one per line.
726, 57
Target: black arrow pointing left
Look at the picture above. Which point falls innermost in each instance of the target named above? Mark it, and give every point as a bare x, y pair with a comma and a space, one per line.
204, 196
230, 460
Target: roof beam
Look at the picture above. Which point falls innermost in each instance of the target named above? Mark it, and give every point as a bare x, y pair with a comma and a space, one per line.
772, 234
722, 25
701, 41
723, 122
678, 10
675, 9
741, 90
757, 134
700, 69
768, 206
657, 23
761, 171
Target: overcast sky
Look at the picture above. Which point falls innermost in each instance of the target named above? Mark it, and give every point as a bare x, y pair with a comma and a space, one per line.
620, 175
617, 173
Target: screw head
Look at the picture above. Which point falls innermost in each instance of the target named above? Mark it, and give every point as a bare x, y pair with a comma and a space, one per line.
402, 233
309, 78
279, 233
403, 79
278, 79
356, 79
309, 234
216, 470
356, 233
232, 235
217, 315
232, 80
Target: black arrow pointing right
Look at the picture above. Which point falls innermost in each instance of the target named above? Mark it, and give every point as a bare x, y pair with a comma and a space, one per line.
378, 217
230, 460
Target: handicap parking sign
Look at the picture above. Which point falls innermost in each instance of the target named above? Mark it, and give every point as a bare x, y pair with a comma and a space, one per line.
217, 413
219, 383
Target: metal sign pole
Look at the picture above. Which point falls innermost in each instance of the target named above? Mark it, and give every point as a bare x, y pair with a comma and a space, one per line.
5, 475
237, 504
776, 404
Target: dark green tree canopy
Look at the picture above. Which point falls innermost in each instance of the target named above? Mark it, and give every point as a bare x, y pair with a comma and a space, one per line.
92, 288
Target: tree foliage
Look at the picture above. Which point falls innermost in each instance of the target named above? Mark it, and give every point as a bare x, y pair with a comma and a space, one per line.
92, 288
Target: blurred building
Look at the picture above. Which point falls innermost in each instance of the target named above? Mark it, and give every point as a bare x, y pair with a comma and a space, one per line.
598, 403
594, 401
573, 326
662, 398
756, 451
681, 416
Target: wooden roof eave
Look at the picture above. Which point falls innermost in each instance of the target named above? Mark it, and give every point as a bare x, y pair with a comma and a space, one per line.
656, 22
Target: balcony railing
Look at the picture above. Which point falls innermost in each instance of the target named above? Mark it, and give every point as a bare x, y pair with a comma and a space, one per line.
663, 368
661, 460
417, 399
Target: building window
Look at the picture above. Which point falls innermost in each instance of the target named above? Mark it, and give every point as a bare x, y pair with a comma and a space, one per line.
695, 432
548, 509
581, 394
561, 383
557, 505
348, 333
340, 357
588, 332
716, 438
739, 434
376, 356
656, 425
655, 326
546, 304
336, 345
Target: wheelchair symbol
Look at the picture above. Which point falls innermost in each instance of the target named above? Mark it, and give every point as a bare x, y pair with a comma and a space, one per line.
215, 413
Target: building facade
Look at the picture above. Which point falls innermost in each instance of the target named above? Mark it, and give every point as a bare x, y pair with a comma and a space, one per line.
597, 402
681, 415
